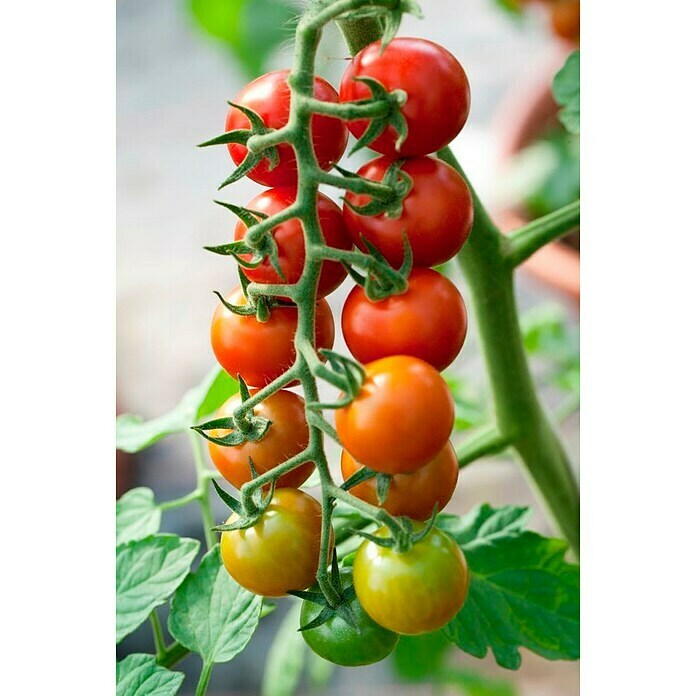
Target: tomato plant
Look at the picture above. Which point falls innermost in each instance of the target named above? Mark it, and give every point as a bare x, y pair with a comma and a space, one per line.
436, 216
413, 495
288, 437
281, 551
290, 241
269, 97
393, 415
431, 77
261, 351
428, 321
414, 591
401, 418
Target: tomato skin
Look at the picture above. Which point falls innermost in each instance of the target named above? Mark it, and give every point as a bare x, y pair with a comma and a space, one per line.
281, 551
269, 97
258, 351
414, 592
428, 321
290, 240
287, 436
341, 644
401, 418
565, 19
437, 216
413, 495
436, 84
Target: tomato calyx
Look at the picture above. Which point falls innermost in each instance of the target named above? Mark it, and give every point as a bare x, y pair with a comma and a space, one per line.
244, 426
242, 136
345, 594
403, 540
341, 372
249, 509
391, 16
381, 280
364, 474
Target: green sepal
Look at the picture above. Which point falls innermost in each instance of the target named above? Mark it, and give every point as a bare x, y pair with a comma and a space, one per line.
247, 216
314, 597
246, 310
360, 476
232, 503
255, 429
236, 137
324, 615
384, 542
392, 20
383, 483
400, 184
343, 373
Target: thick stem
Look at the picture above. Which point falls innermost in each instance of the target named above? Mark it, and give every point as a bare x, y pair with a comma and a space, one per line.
203, 488
204, 679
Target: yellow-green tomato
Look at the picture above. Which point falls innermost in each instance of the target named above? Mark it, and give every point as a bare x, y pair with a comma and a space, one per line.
342, 644
413, 592
281, 551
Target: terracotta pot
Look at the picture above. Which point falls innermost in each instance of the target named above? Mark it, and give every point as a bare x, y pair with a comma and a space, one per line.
535, 113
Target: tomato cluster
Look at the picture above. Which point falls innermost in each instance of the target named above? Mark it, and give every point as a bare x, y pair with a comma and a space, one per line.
399, 422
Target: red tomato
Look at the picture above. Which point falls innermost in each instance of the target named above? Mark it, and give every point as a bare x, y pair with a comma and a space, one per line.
414, 495
436, 85
287, 436
428, 321
258, 351
290, 240
269, 97
437, 213
401, 418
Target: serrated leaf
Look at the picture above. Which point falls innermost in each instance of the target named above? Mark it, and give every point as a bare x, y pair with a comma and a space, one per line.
286, 657
140, 675
522, 591
137, 515
147, 573
134, 434
566, 91
211, 614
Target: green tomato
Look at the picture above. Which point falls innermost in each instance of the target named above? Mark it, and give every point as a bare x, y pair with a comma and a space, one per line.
342, 644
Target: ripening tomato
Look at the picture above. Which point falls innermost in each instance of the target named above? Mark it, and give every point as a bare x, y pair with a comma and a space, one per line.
289, 238
269, 97
437, 215
281, 551
401, 418
428, 321
262, 351
565, 19
338, 642
287, 436
435, 83
414, 592
413, 495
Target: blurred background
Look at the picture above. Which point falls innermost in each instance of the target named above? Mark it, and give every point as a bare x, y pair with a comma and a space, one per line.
178, 62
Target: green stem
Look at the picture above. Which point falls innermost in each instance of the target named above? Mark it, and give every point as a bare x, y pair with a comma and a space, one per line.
482, 443
204, 679
203, 489
160, 647
528, 239
172, 655
519, 415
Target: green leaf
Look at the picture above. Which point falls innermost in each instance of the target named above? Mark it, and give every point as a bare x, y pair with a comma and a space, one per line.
251, 29
137, 515
522, 593
134, 434
286, 657
140, 675
417, 658
211, 614
566, 90
147, 572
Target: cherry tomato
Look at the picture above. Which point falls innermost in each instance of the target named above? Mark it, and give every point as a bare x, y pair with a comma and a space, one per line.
281, 551
290, 240
428, 321
437, 216
269, 97
401, 418
342, 644
565, 19
287, 436
436, 84
414, 592
258, 351
413, 495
